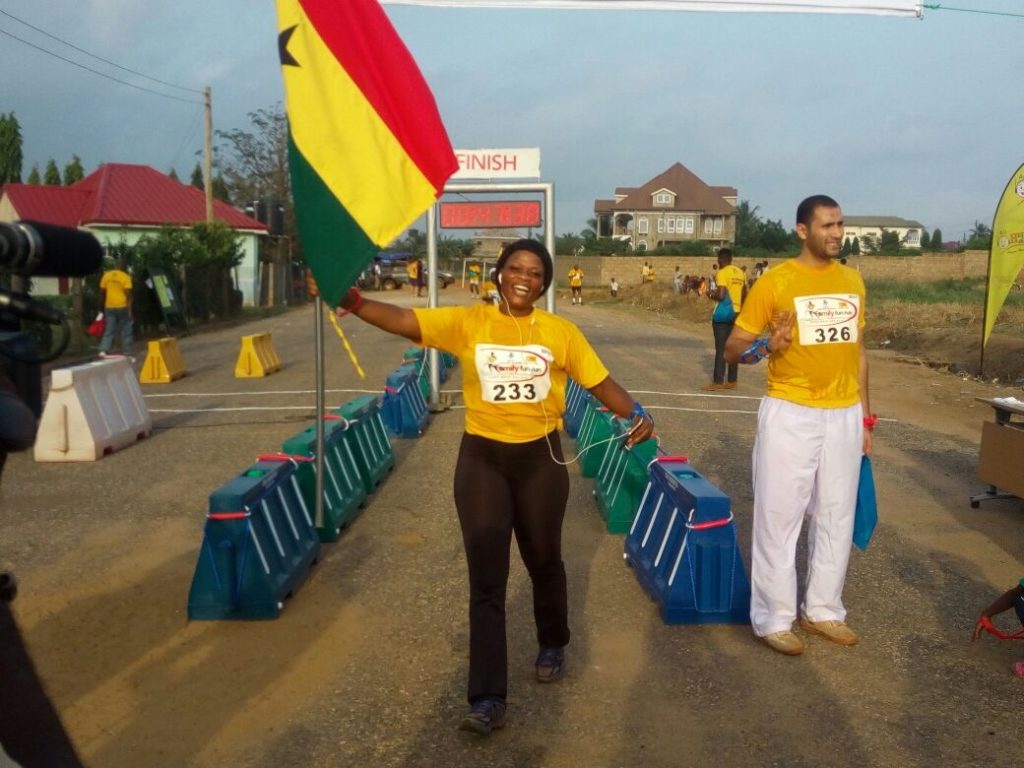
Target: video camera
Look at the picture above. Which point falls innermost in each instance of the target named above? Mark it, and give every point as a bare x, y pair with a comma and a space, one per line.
35, 249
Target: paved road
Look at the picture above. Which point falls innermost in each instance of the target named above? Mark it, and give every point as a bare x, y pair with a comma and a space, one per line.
367, 664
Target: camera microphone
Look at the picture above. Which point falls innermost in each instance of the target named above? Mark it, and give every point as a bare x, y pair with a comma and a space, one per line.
33, 248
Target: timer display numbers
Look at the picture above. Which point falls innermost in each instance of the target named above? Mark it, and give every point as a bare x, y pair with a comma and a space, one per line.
491, 215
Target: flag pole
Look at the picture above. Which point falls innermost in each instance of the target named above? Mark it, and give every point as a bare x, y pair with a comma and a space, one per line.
318, 341
433, 356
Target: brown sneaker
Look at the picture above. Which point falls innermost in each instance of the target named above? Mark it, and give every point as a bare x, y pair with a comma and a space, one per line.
729, 385
714, 387
833, 630
784, 642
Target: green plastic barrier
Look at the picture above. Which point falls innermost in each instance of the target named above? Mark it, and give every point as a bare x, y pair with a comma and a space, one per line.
622, 479
344, 489
370, 443
597, 426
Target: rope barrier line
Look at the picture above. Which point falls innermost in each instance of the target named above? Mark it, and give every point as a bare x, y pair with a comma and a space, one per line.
941, 7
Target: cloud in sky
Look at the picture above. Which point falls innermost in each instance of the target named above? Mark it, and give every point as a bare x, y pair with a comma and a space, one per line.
914, 118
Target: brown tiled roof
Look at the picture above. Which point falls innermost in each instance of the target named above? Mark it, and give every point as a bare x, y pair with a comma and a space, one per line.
119, 194
891, 222
692, 194
604, 206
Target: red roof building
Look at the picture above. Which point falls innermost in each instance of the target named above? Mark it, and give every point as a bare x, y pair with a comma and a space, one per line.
124, 202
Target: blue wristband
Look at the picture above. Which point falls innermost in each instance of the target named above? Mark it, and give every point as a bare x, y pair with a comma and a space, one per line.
756, 352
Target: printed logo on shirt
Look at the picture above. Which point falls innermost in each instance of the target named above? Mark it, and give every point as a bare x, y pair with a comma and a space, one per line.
828, 319
513, 374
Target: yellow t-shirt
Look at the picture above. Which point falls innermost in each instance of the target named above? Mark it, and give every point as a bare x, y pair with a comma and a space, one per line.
732, 278
513, 369
820, 367
117, 284
576, 278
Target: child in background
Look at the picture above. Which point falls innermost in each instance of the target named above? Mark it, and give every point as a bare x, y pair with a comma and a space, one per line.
1012, 598
613, 286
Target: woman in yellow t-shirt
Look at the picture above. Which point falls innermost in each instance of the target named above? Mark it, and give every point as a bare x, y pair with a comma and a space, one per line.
511, 476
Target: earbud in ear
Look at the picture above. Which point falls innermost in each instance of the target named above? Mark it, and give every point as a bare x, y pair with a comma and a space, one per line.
499, 278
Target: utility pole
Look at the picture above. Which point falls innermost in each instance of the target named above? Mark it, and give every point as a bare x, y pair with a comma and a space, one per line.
208, 154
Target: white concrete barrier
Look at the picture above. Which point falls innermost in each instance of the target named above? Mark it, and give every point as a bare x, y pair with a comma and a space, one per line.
92, 410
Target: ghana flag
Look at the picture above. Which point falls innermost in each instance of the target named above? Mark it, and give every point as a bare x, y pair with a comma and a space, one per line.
367, 150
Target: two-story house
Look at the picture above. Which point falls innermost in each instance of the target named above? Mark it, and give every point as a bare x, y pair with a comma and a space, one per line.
909, 231
675, 206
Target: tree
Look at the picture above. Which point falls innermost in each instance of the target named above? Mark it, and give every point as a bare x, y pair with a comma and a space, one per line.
172, 174
10, 149
254, 164
34, 177
937, 245
73, 171
889, 243
855, 249
51, 175
845, 250
980, 238
748, 225
926, 241
197, 177
220, 190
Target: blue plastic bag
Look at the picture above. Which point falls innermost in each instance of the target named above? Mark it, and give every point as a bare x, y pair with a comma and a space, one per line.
865, 518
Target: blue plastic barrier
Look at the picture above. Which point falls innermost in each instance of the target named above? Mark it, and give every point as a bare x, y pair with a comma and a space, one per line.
344, 489
258, 545
576, 402
683, 548
403, 406
369, 440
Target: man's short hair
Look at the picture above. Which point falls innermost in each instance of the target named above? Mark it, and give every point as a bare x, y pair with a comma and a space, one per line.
805, 211
725, 255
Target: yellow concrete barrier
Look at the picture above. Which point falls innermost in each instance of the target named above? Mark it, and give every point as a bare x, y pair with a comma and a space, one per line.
163, 362
257, 357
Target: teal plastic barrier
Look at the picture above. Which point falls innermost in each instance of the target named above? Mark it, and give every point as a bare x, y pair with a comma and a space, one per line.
368, 438
258, 545
344, 488
622, 478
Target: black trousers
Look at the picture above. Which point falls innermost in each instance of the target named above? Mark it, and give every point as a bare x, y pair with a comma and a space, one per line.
501, 489
721, 332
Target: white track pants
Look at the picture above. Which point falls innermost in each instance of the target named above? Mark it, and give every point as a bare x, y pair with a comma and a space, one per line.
806, 462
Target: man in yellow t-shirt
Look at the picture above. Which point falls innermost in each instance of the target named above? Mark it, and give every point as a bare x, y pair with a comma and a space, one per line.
730, 290
576, 283
813, 428
116, 303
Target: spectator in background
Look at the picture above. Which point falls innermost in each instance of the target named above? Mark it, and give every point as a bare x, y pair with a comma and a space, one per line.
730, 292
613, 287
576, 283
677, 281
116, 303
473, 273
645, 273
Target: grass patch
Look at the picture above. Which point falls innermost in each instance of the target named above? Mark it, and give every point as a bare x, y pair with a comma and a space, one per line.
967, 290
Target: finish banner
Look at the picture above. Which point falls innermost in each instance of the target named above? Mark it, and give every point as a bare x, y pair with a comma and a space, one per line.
1006, 257
875, 8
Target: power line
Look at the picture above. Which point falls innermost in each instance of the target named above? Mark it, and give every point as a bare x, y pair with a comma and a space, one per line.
96, 72
100, 58
941, 7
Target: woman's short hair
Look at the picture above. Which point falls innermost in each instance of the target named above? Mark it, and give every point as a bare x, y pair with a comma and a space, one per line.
535, 248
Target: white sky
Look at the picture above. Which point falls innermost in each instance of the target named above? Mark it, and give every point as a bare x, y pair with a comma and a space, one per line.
914, 118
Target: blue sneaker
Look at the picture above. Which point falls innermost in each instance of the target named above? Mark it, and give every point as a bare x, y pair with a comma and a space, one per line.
484, 716
550, 664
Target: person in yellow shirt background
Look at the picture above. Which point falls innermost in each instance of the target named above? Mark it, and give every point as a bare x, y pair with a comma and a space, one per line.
576, 283
116, 305
813, 428
730, 291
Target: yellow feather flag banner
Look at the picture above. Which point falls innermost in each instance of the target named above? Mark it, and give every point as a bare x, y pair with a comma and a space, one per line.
367, 150
1006, 257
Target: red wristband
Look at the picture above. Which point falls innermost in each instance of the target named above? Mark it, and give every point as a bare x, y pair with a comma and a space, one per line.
357, 302
870, 421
